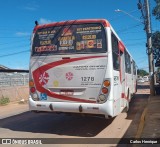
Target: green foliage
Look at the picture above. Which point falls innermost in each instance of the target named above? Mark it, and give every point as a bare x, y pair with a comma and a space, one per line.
156, 35
156, 45
156, 10
156, 40
4, 100
142, 72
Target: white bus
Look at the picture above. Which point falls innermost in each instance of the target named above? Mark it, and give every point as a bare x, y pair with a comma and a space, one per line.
80, 66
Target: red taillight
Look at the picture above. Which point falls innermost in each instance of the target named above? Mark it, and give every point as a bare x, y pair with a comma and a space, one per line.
33, 89
104, 90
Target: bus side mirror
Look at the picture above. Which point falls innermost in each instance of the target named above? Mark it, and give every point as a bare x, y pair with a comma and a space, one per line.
36, 23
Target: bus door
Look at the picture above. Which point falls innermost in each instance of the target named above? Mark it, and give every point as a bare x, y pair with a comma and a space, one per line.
122, 73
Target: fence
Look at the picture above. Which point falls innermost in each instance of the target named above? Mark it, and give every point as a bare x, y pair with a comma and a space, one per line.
13, 79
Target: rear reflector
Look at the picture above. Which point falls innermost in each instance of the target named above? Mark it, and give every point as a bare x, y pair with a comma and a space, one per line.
80, 108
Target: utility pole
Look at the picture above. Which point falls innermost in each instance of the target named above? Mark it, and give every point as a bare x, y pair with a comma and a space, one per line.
150, 49
147, 22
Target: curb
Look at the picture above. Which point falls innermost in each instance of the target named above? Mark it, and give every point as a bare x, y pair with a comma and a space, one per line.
142, 120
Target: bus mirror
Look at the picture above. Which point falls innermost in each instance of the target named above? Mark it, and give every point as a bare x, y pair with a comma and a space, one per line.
36, 23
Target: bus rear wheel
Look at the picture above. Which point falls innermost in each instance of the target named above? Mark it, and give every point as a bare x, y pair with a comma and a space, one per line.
128, 100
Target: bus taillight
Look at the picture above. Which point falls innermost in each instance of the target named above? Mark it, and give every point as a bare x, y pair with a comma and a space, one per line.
33, 89
106, 83
31, 83
104, 91
102, 98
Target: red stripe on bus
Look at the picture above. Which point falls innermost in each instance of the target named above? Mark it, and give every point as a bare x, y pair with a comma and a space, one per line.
42, 69
121, 46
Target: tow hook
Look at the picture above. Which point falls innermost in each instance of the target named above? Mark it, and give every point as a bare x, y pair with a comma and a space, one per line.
51, 107
80, 108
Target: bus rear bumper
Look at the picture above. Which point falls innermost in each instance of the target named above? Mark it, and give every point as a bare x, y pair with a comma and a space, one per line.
84, 108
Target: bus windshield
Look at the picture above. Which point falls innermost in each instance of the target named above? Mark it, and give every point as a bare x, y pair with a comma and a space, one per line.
70, 39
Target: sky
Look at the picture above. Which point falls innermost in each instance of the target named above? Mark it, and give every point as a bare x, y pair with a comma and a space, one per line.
18, 17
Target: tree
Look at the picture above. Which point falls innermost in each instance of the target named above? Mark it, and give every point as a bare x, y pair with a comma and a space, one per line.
156, 10
156, 45
156, 35
142, 72
156, 40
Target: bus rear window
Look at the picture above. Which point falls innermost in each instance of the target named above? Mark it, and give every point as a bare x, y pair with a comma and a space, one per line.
69, 39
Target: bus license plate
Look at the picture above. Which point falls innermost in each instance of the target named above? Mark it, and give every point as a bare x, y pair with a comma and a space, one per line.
67, 92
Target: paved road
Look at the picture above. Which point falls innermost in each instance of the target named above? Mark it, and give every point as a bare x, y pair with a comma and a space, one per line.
49, 125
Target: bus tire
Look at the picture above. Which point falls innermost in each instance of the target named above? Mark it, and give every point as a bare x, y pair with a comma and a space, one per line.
127, 106
136, 87
128, 100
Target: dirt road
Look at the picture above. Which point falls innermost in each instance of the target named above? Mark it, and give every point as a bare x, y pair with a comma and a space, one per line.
16, 121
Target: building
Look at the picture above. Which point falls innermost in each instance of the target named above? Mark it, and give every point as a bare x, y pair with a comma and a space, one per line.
13, 77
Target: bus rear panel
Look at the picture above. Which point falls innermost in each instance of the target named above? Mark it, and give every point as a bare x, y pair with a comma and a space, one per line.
71, 68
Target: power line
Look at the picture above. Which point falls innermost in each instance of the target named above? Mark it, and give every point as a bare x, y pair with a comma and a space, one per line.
15, 42
15, 37
8, 48
136, 43
142, 58
123, 33
131, 27
135, 39
11, 54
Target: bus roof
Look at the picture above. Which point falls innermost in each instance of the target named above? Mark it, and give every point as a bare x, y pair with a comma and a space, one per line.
103, 21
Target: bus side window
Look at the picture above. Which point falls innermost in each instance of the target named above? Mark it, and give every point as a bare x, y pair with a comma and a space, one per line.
134, 68
115, 53
127, 63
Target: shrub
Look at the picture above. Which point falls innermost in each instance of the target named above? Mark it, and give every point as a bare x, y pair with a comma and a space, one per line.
4, 101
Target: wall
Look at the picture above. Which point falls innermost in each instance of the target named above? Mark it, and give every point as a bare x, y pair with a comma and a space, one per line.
15, 93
